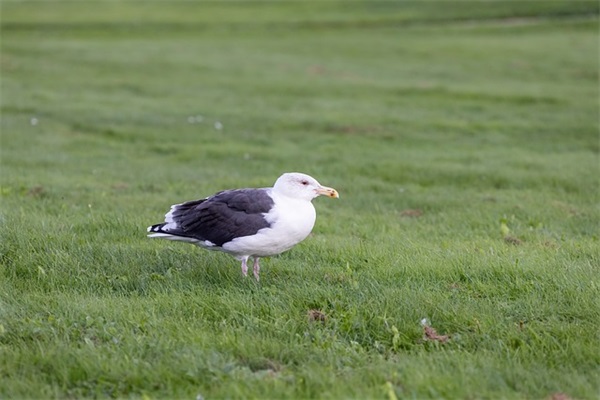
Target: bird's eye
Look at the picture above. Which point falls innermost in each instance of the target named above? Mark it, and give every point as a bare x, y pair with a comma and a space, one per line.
304, 182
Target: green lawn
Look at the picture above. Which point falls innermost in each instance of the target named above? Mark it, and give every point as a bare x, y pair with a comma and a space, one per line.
463, 138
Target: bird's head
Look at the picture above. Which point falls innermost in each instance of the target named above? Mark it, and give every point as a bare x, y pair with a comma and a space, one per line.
302, 186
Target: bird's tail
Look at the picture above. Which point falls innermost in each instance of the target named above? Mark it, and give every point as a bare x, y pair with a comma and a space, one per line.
157, 231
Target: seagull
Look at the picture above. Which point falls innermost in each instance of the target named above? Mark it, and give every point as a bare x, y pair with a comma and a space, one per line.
256, 222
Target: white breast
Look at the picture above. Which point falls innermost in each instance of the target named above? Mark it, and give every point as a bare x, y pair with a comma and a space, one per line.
291, 222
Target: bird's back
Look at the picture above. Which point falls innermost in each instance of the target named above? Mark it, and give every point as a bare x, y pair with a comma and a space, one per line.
218, 219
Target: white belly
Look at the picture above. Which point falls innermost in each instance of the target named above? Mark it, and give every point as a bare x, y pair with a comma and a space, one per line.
291, 222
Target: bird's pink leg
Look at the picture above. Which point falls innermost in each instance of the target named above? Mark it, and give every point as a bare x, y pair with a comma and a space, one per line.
244, 266
256, 268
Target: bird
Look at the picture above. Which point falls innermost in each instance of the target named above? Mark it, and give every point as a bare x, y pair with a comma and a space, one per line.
252, 222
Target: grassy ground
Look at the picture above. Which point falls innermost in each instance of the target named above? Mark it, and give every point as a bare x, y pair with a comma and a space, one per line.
462, 137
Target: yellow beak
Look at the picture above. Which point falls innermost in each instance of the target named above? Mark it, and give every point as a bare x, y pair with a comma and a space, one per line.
327, 191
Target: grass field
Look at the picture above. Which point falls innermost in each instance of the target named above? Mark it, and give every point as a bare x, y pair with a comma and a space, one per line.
463, 138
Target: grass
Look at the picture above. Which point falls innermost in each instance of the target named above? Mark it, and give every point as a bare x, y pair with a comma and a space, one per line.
462, 137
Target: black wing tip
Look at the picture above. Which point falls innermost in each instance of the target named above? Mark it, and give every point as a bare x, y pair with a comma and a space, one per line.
156, 228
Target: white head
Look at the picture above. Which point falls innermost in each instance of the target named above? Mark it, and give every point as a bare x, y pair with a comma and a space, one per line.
302, 186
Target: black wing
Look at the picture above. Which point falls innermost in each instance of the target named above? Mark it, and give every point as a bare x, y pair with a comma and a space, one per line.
223, 216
